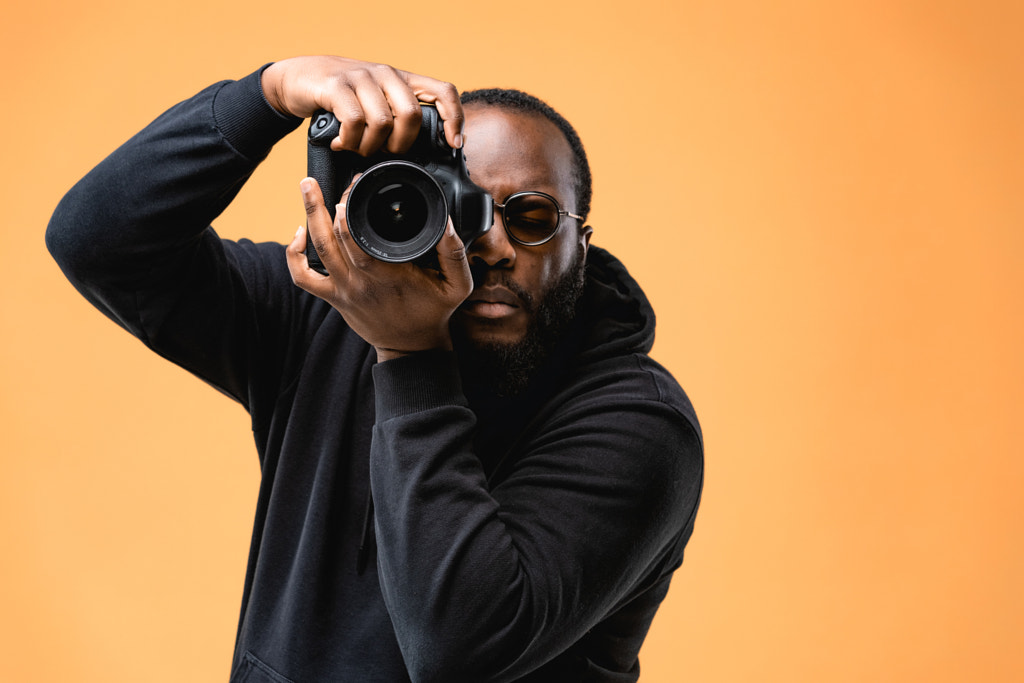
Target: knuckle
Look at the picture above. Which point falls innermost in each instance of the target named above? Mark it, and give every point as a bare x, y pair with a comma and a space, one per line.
355, 116
343, 78
338, 89
361, 259
457, 118
448, 90
320, 244
457, 254
358, 73
384, 70
410, 110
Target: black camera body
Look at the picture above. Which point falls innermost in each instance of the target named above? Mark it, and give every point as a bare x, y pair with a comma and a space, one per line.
398, 208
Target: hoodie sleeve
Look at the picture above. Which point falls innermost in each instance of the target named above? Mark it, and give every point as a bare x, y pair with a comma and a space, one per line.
489, 583
133, 235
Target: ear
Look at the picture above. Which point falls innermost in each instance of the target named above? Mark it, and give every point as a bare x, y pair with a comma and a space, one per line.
585, 234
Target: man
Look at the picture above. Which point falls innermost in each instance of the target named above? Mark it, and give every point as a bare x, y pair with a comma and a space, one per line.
469, 473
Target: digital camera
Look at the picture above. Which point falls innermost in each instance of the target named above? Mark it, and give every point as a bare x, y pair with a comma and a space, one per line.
398, 209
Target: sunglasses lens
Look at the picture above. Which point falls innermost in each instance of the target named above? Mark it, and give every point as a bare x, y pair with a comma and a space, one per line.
531, 218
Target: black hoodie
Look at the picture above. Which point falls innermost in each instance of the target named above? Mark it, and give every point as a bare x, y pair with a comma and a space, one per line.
508, 539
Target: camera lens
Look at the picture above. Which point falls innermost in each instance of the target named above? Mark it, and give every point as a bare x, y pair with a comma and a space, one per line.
396, 212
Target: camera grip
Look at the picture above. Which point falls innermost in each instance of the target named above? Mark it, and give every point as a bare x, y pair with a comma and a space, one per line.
320, 165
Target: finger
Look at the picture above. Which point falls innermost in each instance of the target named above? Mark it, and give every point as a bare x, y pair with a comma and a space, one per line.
445, 97
378, 119
321, 232
352, 252
343, 102
451, 257
303, 276
298, 266
298, 243
405, 109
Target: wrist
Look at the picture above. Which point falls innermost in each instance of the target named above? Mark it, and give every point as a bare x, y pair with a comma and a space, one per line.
385, 354
246, 119
270, 82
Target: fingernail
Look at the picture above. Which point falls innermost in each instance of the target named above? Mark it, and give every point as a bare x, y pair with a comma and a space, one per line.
458, 141
306, 185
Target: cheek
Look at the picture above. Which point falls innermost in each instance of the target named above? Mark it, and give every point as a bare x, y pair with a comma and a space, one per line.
541, 267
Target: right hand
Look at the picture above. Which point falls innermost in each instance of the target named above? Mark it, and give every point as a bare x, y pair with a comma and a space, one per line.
399, 308
377, 105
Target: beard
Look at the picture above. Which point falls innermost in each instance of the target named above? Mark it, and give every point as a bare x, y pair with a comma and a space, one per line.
505, 369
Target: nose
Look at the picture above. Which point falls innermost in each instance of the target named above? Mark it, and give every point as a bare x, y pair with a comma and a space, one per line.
494, 247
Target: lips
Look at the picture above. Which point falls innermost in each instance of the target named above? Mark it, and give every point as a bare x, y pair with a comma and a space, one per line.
494, 295
491, 302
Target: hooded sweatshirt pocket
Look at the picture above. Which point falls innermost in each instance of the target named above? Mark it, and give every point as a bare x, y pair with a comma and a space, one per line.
254, 670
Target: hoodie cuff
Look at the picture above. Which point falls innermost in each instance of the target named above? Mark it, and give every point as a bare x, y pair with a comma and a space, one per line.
246, 119
415, 383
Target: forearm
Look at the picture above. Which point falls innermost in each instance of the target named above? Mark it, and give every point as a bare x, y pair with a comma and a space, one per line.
422, 561
491, 579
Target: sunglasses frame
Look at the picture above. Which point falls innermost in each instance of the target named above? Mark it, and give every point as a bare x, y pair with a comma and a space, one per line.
558, 211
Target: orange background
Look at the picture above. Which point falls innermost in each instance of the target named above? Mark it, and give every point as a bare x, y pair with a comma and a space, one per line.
823, 201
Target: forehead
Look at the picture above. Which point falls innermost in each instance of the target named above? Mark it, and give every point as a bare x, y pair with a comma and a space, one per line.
509, 151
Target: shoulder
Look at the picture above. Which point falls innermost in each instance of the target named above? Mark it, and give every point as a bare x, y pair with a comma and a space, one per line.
627, 384
628, 419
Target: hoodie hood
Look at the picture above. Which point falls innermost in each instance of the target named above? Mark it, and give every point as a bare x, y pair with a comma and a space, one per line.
615, 317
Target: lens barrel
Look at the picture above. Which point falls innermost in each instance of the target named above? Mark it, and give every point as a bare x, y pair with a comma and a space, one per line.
396, 211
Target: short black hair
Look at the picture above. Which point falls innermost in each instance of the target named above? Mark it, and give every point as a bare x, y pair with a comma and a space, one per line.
519, 101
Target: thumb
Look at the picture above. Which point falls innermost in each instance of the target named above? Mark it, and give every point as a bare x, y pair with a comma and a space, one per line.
451, 258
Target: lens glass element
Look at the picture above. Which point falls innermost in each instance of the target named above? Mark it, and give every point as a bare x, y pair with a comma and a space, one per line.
397, 212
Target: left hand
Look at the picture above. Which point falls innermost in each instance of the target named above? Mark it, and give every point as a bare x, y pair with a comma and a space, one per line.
399, 308
376, 104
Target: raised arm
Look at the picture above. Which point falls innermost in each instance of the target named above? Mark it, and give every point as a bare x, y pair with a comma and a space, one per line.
133, 235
